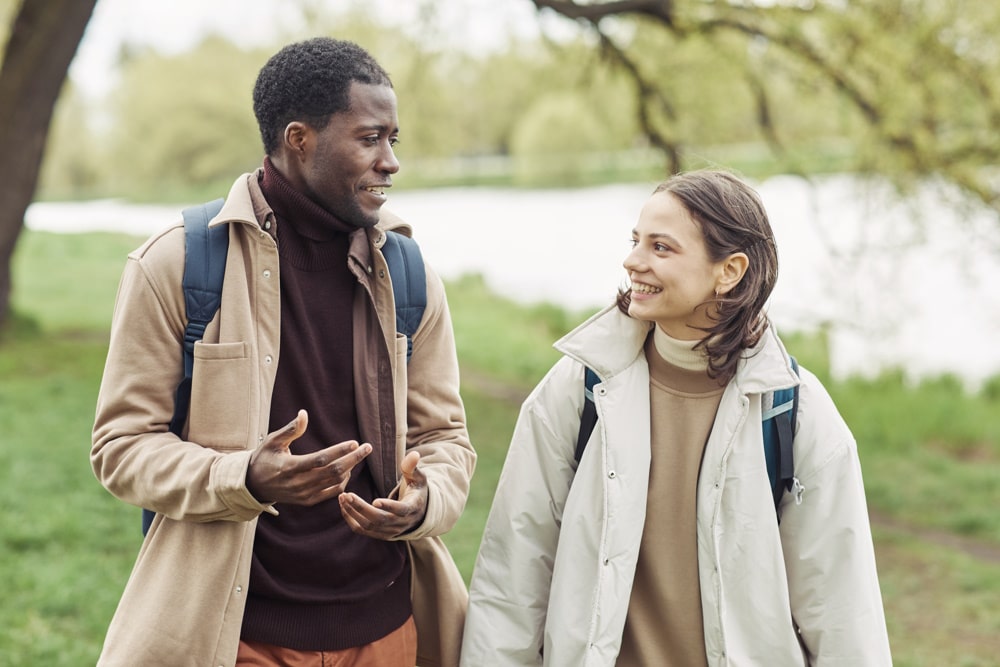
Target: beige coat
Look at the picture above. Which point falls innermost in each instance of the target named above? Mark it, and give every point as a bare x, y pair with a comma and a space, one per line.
559, 551
183, 603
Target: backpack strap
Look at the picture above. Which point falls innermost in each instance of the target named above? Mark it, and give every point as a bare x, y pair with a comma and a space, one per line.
409, 284
778, 428
204, 267
588, 419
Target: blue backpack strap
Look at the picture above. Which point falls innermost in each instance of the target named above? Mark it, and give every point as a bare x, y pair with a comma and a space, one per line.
409, 284
204, 267
778, 428
588, 419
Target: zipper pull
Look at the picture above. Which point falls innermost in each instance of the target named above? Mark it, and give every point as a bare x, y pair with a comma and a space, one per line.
797, 490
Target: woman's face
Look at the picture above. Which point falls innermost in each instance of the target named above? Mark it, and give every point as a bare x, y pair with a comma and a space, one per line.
673, 279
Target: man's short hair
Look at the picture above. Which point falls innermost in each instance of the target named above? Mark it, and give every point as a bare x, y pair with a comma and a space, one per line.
309, 82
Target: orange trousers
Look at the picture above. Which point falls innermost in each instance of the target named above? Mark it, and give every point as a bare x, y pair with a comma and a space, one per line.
396, 649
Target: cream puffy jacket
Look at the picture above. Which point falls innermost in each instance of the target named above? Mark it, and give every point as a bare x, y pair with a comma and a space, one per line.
554, 574
183, 604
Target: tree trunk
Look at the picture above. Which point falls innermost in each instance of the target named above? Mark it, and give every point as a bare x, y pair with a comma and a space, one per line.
42, 43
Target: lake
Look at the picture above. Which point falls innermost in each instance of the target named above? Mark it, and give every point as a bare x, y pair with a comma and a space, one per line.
898, 282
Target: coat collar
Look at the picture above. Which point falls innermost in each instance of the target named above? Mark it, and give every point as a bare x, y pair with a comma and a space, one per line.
246, 204
610, 341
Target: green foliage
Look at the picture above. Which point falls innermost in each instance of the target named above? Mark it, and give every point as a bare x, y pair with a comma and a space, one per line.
7, 9
491, 419
78, 296
185, 121
911, 86
919, 445
551, 139
936, 601
72, 168
61, 534
180, 127
502, 339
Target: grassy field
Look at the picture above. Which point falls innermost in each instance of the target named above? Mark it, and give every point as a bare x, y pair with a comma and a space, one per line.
931, 456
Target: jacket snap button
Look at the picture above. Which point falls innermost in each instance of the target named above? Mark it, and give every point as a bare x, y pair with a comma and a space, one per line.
612, 474
267, 273
267, 359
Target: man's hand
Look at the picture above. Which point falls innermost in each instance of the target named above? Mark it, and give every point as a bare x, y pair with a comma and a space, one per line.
385, 518
276, 475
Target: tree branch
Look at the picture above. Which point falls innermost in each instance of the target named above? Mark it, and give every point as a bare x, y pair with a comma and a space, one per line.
662, 10
647, 91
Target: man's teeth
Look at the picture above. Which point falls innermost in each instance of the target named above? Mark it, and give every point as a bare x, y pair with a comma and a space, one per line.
378, 191
645, 289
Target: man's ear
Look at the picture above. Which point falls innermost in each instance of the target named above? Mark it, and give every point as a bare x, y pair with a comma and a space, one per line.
730, 272
297, 139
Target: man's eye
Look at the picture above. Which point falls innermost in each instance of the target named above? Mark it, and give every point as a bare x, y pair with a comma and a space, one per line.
393, 141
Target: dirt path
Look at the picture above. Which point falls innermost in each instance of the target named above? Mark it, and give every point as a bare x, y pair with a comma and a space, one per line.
988, 552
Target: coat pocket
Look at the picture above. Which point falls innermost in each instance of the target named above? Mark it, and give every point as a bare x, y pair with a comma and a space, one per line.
220, 395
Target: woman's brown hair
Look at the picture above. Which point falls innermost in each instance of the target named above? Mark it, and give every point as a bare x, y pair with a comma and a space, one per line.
732, 219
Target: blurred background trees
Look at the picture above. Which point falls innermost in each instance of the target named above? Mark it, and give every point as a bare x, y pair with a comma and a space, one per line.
628, 90
908, 89
38, 48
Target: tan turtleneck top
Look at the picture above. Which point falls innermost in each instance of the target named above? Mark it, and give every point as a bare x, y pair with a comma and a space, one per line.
664, 623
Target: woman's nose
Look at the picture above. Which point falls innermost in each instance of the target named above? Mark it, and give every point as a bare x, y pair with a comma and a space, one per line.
632, 260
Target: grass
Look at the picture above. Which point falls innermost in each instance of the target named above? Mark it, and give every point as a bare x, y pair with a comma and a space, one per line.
930, 456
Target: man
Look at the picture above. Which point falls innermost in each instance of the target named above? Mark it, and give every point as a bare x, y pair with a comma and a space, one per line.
317, 467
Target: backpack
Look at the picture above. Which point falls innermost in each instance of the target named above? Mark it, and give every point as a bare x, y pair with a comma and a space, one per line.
205, 252
779, 409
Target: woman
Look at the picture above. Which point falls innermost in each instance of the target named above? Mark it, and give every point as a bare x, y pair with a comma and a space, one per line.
662, 546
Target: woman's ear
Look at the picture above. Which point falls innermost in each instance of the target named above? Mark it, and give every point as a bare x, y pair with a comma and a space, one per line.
730, 272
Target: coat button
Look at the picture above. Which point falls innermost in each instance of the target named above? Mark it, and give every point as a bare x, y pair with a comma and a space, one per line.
268, 359
612, 474
267, 273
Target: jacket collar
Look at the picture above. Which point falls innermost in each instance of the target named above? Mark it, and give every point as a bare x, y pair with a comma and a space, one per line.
610, 341
246, 204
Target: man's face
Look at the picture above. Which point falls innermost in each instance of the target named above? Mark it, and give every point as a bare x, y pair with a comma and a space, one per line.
352, 162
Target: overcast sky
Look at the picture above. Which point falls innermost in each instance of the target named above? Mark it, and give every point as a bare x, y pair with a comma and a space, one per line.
175, 25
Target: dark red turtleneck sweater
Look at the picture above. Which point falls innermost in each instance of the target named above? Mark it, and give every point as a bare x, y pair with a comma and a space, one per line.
314, 584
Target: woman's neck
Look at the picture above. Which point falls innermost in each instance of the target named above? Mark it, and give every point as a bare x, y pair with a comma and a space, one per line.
680, 353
